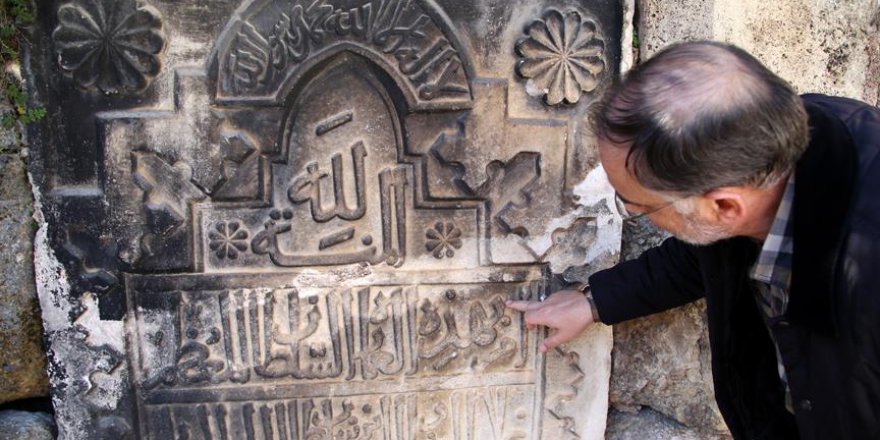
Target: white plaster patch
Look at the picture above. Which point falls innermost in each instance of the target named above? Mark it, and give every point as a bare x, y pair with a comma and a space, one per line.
53, 289
108, 379
626, 40
595, 194
106, 389
109, 333
595, 190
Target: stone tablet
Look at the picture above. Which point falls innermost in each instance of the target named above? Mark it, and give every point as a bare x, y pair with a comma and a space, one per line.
300, 219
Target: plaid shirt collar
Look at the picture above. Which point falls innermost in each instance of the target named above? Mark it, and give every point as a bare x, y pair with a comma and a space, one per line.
773, 266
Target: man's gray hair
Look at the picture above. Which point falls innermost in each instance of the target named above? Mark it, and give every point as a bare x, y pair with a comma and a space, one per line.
703, 115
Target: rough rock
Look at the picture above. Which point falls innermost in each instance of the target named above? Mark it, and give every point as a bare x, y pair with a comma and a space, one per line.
818, 45
648, 424
22, 360
662, 361
663, 22
23, 425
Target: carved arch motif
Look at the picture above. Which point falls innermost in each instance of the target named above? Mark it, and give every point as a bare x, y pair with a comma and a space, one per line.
267, 47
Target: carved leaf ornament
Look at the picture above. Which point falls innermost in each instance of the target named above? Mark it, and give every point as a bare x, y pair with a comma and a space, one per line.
562, 57
109, 44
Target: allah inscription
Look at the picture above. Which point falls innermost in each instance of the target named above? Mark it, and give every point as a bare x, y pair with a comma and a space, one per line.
301, 219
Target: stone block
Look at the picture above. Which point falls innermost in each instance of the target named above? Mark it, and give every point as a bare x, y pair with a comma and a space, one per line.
662, 361
663, 22
819, 46
647, 424
22, 359
302, 218
23, 425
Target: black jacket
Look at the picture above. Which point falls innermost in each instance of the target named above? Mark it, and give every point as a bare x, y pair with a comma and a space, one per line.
830, 336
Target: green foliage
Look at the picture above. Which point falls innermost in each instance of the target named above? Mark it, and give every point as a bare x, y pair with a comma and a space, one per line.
20, 111
15, 15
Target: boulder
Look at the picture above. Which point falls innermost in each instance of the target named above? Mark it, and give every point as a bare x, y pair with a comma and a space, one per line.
24, 425
22, 359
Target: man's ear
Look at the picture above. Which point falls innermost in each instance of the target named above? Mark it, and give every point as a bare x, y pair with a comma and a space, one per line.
727, 205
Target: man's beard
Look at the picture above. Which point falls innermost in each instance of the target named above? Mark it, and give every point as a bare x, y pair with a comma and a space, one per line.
699, 233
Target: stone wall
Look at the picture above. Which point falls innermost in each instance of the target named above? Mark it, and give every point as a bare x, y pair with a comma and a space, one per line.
22, 358
821, 46
661, 363
22, 361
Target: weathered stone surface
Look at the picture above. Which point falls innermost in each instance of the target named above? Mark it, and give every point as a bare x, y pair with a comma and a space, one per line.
23, 425
663, 22
648, 424
268, 219
22, 359
662, 361
819, 46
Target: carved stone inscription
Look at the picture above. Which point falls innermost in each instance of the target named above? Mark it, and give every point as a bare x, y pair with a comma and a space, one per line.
275, 38
491, 412
343, 190
300, 219
245, 354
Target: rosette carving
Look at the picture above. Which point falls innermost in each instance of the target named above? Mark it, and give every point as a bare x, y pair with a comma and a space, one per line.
113, 45
561, 58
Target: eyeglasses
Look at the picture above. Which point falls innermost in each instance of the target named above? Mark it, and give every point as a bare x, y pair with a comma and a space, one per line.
648, 209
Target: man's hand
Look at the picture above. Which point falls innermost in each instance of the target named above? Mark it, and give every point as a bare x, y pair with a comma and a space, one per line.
566, 312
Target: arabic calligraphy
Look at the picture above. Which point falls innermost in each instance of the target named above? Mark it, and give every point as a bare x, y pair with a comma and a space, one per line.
393, 183
441, 341
487, 412
269, 45
308, 188
265, 242
239, 335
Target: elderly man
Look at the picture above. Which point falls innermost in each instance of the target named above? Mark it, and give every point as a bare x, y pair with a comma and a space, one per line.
773, 202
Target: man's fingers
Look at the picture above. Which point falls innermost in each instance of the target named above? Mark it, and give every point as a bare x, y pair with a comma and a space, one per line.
523, 306
531, 312
566, 313
554, 340
540, 317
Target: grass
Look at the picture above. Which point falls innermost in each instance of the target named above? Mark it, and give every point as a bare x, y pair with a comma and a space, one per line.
15, 16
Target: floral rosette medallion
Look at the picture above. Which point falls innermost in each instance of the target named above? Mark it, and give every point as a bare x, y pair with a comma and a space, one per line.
562, 57
112, 45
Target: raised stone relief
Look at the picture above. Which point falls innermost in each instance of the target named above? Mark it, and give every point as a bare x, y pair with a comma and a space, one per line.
272, 42
308, 227
562, 57
109, 44
274, 345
